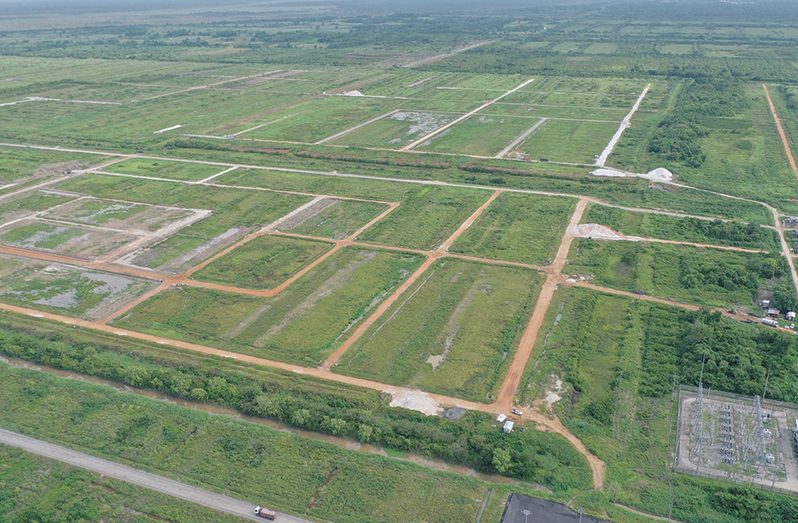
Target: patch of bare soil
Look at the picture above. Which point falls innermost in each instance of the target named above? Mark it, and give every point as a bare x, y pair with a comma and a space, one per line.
306, 214
598, 232
415, 400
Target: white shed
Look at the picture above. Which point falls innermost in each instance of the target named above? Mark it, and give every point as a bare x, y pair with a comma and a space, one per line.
508, 427
500, 418
790, 316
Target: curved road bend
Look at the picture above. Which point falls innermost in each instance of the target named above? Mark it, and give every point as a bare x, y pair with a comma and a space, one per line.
170, 487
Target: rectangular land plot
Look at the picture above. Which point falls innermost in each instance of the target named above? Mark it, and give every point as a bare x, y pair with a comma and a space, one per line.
337, 219
20, 168
397, 130
66, 289
303, 324
263, 263
29, 203
426, 217
453, 332
558, 111
321, 118
714, 232
568, 141
518, 227
165, 169
479, 135
72, 240
706, 277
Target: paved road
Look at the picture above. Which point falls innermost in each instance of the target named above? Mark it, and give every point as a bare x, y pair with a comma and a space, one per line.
199, 496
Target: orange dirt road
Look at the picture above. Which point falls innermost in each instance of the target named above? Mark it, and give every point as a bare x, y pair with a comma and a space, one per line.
785, 141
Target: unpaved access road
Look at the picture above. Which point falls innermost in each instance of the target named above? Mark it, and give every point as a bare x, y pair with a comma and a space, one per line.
785, 141
170, 487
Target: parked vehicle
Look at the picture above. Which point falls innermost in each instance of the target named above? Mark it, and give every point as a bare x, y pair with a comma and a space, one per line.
263, 512
517, 412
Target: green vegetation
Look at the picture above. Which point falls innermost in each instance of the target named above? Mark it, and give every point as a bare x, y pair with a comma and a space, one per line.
263, 263
454, 331
618, 360
689, 274
426, 218
165, 169
569, 141
229, 455
302, 324
340, 220
712, 232
518, 227
306, 403
38, 489
480, 135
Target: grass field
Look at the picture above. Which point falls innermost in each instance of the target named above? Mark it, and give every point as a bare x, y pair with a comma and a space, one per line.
263, 263
479, 135
340, 220
38, 489
684, 229
453, 332
164, 169
516, 227
228, 455
426, 217
303, 324
397, 130
688, 274
568, 141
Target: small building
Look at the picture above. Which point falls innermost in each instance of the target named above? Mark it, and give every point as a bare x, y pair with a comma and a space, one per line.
790, 316
507, 427
764, 304
773, 313
500, 418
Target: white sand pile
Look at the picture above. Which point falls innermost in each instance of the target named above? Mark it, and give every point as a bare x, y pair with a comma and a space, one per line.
417, 400
657, 175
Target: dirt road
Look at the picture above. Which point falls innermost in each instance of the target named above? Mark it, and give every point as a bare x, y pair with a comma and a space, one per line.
785, 141
170, 487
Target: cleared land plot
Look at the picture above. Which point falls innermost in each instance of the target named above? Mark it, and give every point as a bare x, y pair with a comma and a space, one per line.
518, 227
302, 325
426, 217
479, 135
72, 240
263, 263
235, 212
165, 169
66, 289
568, 141
29, 203
122, 215
453, 332
557, 111
705, 277
35, 488
397, 130
20, 168
318, 119
340, 219
649, 225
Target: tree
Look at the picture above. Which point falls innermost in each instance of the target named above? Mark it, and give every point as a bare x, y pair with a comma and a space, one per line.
502, 460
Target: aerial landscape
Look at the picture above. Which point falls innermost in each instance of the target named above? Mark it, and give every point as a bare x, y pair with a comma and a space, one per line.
366, 261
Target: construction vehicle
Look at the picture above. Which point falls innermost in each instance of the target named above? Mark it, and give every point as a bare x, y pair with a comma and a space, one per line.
263, 512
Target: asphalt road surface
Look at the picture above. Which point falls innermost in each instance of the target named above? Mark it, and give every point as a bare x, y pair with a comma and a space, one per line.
170, 487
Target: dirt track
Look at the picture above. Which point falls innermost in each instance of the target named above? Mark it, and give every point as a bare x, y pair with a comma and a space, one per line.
785, 141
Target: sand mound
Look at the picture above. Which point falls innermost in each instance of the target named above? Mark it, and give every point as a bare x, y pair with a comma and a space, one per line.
659, 174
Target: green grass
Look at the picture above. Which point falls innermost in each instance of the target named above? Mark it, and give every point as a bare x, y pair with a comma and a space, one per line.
40, 235
518, 227
263, 263
165, 169
33, 488
650, 225
21, 166
317, 119
233, 456
340, 220
399, 129
426, 217
29, 203
706, 277
479, 135
303, 324
469, 315
569, 141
